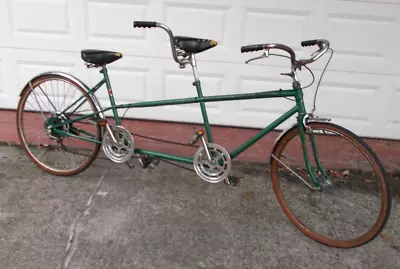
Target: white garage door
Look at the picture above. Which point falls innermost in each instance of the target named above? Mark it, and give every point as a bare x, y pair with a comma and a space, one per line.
360, 90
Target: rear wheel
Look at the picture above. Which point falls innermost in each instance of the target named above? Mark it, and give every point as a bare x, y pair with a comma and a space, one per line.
353, 204
43, 106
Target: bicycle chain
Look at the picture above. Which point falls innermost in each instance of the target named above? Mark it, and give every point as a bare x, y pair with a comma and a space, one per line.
151, 138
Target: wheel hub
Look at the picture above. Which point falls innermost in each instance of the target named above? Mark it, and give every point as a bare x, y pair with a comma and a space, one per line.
53, 120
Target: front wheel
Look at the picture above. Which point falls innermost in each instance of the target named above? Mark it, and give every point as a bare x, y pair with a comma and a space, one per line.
353, 204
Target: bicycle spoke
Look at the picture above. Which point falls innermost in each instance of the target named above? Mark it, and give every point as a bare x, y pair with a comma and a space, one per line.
297, 175
55, 109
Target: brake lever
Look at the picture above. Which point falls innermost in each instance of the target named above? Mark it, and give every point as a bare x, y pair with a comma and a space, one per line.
264, 55
315, 53
318, 51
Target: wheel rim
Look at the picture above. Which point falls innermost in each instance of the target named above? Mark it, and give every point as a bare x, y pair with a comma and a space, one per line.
294, 202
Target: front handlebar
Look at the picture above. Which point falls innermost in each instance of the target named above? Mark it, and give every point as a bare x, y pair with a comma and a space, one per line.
322, 44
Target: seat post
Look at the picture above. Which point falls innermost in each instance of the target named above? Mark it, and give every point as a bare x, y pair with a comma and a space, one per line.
193, 63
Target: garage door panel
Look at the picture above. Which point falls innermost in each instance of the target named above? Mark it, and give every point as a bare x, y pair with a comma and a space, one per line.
263, 26
179, 85
359, 33
54, 18
29, 69
40, 24
245, 79
391, 121
386, 2
360, 47
199, 20
114, 21
43, 35
340, 99
29, 63
204, 4
216, 78
276, 106
128, 84
5, 29
9, 75
1, 75
356, 101
284, 5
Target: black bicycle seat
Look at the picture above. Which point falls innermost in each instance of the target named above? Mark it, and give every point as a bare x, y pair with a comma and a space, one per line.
193, 44
100, 57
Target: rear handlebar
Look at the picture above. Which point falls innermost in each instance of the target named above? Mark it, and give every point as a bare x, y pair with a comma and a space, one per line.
153, 24
144, 24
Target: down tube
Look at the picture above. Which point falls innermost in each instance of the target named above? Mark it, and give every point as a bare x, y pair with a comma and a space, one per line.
263, 132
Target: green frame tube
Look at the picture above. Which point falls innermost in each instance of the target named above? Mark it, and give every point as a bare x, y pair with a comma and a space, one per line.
298, 108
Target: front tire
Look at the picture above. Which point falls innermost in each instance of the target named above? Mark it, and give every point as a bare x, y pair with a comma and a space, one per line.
350, 170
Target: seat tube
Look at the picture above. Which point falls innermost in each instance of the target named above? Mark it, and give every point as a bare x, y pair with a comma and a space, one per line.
200, 95
110, 95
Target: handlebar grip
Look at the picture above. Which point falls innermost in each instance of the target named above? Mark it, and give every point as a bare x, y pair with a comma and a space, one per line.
307, 43
145, 24
250, 48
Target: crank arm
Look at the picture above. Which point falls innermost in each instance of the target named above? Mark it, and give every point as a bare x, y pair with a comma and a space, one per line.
199, 136
111, 134
203, 141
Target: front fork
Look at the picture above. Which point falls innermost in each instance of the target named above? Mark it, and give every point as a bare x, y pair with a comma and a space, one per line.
304, 131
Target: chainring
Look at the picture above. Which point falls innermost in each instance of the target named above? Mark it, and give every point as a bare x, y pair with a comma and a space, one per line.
216, 170
121, 151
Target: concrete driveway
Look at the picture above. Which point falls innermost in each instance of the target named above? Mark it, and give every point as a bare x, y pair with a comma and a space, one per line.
111, 216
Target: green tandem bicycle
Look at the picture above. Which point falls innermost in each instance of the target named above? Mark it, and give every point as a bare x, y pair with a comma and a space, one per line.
63, 127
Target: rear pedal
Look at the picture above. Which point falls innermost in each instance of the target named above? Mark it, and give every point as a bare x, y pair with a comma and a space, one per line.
196, 137
148, 162
232, 181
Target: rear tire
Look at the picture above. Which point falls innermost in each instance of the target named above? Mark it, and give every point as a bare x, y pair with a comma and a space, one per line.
378, 170
39, 120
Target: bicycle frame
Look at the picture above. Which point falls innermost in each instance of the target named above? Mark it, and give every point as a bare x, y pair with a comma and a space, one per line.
295, 92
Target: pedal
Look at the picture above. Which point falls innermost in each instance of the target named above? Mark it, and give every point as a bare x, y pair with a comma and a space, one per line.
232, 181
196, 137
148, 162
97, 121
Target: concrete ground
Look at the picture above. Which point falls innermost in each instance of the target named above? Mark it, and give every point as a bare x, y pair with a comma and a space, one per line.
111, 216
